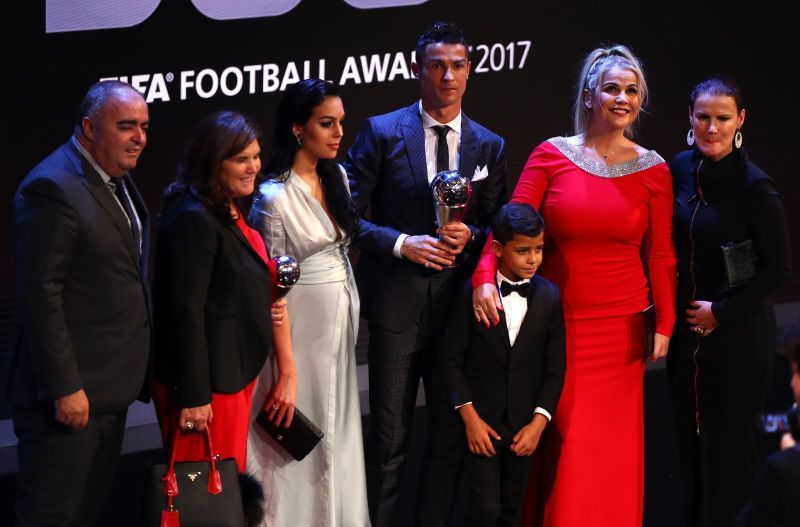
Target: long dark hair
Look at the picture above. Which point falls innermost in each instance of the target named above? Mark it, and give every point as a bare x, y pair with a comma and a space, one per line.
296, 107
219, 136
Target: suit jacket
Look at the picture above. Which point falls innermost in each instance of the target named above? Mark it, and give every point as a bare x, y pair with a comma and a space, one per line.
506, 383
212, 298
84, 317
388, 174
776, 498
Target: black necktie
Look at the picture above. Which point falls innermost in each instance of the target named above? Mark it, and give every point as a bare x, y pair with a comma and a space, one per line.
523, 288
442, 150
127, 206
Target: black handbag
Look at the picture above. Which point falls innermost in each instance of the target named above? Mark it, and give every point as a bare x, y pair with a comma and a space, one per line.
739, 264
203, 493
299, 439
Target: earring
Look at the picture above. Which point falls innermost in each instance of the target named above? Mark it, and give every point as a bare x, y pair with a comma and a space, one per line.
690, 137
737, 139
299, 144
588, 102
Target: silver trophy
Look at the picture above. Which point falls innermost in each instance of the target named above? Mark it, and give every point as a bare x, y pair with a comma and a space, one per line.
288, 274
451, 192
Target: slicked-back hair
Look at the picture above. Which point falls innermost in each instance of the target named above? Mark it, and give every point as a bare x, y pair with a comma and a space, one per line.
439, 33
718, 86
516, 218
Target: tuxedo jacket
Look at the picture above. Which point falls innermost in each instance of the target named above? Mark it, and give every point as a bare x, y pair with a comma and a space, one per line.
776, 497
212, 299
388, 176
84, 317
506, 383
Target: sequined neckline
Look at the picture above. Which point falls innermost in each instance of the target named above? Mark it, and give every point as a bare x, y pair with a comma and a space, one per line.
596, 168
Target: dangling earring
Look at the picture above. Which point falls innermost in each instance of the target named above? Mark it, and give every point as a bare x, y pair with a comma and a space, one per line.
690, 137
737, 139
299, 144
588, 102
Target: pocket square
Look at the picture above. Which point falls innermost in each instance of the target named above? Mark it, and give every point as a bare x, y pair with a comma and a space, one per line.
480, 173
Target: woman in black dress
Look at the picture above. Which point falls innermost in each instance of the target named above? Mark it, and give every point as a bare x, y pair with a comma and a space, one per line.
722, 351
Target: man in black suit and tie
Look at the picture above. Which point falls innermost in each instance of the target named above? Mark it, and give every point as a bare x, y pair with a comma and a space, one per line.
83, 346
505, 380
405, 282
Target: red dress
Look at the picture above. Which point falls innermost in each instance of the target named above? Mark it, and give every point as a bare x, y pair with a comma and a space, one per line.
590, 462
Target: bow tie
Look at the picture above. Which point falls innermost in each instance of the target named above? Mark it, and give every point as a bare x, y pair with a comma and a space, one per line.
523, 288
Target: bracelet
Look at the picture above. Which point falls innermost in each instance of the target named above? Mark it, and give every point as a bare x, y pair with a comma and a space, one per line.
401, 248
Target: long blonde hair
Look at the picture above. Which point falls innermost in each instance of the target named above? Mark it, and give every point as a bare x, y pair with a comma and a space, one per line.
596, 64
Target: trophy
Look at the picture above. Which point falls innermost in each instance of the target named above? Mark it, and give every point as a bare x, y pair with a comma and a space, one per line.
288, 274
451, 192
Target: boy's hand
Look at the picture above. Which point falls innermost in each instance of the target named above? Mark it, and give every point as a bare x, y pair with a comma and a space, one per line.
479, 433
527, 439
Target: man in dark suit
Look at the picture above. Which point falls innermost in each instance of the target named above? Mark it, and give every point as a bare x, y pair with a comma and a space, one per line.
82, 352
405, 283
505, 380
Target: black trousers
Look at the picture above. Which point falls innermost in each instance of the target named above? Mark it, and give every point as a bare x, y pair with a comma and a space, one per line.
497, 487
397, 363
65, 475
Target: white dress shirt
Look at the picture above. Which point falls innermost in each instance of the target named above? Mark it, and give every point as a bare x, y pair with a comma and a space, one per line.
453, 146
515, 306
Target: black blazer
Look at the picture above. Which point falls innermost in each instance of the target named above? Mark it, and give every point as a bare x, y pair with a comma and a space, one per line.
506, 383
212, 298
84, 318
388, 174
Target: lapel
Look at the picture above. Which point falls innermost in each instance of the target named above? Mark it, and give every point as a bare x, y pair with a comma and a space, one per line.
505, 348
532, 316
414, 138
100, 191
239, 236
469, 148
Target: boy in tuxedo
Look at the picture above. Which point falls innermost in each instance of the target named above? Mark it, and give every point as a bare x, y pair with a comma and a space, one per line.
505, 380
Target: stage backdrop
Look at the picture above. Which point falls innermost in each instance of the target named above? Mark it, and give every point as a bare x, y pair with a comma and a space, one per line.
192, 57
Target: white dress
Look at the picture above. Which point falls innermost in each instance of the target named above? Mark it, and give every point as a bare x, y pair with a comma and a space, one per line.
328, 487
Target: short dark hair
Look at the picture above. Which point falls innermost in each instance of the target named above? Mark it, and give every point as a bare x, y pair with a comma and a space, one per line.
96, 97
718, 86
516, 218
439, 33
219, 136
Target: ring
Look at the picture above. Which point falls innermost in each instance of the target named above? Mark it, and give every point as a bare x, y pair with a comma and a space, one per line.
275, 406
427, 265
188, 425
698, 329
477, 308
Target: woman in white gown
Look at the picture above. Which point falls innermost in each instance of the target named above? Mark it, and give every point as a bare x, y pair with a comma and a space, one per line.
304, 209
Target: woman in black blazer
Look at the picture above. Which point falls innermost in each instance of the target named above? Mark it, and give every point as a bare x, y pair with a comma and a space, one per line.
722, 351
212, 295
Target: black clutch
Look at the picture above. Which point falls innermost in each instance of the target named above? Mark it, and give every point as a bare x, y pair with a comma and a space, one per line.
648, 331
299, 439
739, 264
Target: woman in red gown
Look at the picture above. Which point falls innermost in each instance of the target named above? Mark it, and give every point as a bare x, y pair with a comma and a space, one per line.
602, 197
